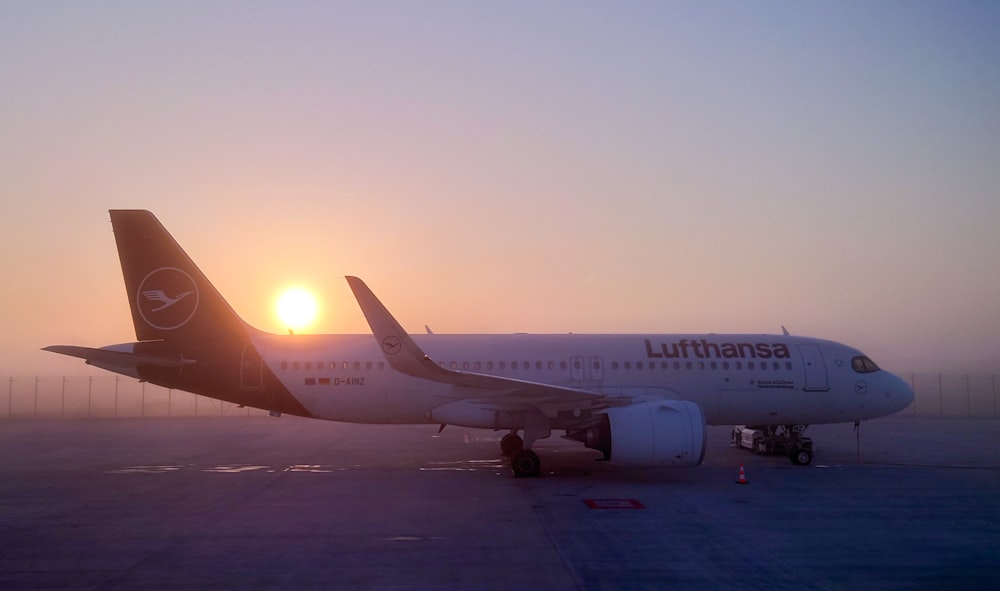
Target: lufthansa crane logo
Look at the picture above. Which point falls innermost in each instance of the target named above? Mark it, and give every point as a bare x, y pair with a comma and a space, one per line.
167, 298
391, 345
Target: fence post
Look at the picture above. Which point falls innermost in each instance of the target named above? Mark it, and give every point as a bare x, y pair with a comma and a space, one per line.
10, 396
940, 397
37, 379
968, 397
170, 392
913, 386
142, 404
116, 397
90, 388
196, 397
62, 408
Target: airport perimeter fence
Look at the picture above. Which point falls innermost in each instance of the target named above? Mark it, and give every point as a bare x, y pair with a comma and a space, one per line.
108, 396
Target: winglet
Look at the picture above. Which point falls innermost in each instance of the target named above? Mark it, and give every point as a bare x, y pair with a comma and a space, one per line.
405, 356
399, 348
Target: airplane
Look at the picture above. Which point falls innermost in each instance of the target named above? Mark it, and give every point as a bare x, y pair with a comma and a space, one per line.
643, 401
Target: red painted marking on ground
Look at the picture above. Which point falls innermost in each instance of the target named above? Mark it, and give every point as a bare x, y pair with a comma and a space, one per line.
614, 504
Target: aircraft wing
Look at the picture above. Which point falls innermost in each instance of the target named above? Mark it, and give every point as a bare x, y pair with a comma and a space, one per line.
404, 355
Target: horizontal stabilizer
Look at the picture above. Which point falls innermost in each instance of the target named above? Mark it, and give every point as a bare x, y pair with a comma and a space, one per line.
106, 356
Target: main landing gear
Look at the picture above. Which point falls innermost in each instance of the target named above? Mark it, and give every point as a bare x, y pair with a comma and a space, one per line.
776, 440
523, 462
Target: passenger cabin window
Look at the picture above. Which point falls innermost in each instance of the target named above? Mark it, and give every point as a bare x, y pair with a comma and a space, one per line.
863, 365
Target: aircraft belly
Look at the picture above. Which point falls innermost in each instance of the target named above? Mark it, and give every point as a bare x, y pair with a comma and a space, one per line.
367, 405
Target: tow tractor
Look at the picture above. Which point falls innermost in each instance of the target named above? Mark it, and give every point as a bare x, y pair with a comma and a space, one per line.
775, 440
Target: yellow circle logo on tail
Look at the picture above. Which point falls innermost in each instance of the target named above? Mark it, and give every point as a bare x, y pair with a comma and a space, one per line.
167, 298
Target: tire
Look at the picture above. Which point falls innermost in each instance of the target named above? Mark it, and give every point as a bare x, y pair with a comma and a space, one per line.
510, 444
801, 457
525, 464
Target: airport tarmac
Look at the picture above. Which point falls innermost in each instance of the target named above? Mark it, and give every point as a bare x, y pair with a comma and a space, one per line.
263, 503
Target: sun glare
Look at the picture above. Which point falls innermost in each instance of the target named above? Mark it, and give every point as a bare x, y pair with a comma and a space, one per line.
296, 308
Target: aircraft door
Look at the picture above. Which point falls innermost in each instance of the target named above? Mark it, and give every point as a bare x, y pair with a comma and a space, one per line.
576, 368
815, 368
251, 369
596, 368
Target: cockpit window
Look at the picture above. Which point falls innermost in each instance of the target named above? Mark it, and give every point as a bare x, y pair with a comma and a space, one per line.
863, 365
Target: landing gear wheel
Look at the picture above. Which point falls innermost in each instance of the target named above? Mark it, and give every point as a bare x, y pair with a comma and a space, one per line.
525, 464
510, 444
801, 457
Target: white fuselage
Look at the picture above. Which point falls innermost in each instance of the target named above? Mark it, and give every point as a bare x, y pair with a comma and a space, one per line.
735, 379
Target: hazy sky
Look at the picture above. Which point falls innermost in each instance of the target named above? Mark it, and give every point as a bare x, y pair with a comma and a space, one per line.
514, 166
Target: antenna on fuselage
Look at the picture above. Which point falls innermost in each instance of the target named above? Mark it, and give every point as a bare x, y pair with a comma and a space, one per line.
784, 330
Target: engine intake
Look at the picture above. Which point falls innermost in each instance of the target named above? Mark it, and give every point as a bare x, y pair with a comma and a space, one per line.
663, 433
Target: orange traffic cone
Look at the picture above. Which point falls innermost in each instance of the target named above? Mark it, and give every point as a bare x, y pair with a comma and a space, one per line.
743, 477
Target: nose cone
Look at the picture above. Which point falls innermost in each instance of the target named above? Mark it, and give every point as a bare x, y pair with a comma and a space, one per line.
898, 393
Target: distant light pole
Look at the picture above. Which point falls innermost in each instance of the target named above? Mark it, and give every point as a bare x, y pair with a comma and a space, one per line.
37, 379
116, 397
62, 408
10, 396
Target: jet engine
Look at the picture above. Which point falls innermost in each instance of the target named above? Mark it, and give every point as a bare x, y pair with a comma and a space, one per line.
658, 434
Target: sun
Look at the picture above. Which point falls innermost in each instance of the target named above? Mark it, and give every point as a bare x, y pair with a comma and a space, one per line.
296, 308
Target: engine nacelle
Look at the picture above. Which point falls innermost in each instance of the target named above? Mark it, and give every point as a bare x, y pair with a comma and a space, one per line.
659, 434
